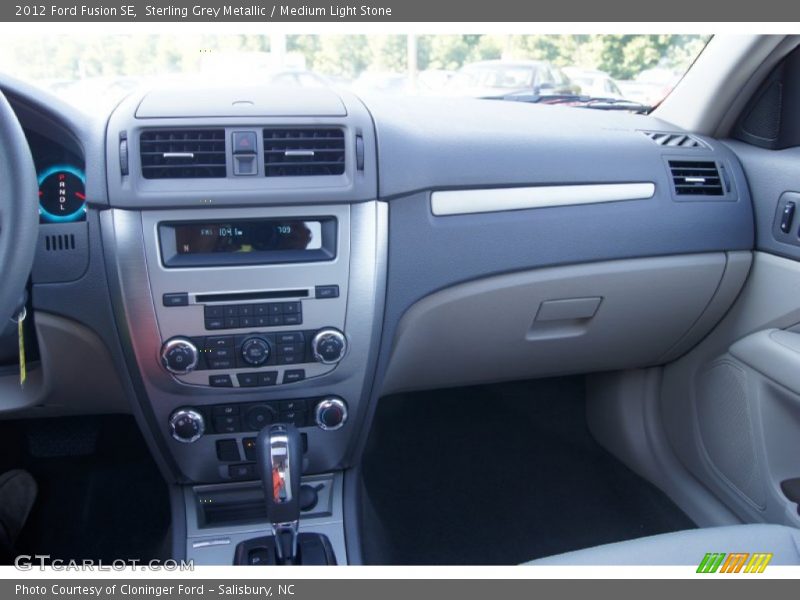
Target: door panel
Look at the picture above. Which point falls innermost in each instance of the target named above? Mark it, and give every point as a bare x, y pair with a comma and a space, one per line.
731, 406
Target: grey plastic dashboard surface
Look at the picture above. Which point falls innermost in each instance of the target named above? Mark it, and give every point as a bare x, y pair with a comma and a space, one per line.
244, 101
771, 173
436, 143
431, 144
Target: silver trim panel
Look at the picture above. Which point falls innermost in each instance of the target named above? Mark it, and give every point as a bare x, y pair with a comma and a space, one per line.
139, 280
463, 202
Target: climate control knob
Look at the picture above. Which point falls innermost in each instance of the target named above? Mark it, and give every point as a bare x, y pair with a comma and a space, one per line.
255, 351
179, 355
330, 414
186, 425
329, 346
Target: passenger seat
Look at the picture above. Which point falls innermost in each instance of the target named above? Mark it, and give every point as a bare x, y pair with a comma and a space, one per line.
689, 547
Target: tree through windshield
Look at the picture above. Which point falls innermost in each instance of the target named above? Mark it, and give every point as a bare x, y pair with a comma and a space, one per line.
95, 71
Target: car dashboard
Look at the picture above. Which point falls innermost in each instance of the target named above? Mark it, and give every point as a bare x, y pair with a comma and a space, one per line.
264, 255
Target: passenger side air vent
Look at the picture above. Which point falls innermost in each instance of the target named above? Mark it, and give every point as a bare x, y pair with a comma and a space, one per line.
182, 153
674, 140
696, 178
295, 152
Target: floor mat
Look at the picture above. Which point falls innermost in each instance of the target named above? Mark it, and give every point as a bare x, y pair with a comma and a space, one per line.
101, 495
498, 474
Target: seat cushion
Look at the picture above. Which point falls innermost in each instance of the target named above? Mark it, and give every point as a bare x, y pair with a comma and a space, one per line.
689, 547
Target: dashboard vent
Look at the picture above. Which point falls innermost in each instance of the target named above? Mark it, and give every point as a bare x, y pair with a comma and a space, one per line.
57, 242
696, 178
182, 153
674, 140
295, 152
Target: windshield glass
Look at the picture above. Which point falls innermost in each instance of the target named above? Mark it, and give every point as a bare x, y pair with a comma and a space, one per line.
512, 77
94, 72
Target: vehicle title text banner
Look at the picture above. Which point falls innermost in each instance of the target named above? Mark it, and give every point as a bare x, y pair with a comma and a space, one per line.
299, 11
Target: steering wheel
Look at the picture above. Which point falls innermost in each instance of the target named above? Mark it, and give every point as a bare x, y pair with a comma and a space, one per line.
19, 212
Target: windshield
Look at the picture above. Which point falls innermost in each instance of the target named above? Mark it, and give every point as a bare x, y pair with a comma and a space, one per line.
94, 72
510, 77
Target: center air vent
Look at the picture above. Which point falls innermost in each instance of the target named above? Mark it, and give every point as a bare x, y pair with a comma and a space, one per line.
182, 153
696, 178
294, 152
674, 140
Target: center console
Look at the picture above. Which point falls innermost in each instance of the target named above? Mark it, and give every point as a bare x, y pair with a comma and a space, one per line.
247, 256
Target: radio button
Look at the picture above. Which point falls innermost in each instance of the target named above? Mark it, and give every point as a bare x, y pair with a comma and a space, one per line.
291, 308
247, 321
242, 471
298, 419
223, 352
246, 310
228, 424
220, 381
225, 410
268, 378
298, 404
292, 319
259, 416
262, 321
175, 299
260, 309
228, 450
247, 379
231, 322
288, 359
255, 351
215, 323
292, 376
274, 308
219, 363
276, 320
324, 292
213, 312
231, 310
219, 341
290, 337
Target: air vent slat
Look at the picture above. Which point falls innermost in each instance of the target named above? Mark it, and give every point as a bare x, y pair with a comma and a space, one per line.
696, 178
183, 153
303, 151
675, 140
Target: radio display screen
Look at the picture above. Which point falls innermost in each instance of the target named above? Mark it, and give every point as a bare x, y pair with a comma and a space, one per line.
265, 235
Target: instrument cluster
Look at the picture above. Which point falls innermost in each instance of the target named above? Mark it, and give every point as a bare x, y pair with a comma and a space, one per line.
62, 180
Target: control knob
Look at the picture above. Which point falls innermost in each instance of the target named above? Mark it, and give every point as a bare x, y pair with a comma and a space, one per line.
329, 346
179, 355
331, 414
186, 425
255, 351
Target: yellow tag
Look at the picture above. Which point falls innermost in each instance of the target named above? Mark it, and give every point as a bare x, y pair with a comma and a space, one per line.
21, 337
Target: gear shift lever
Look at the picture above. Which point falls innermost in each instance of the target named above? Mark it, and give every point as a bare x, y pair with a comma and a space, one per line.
279, 453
